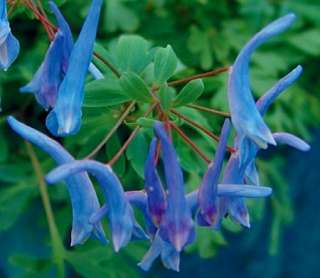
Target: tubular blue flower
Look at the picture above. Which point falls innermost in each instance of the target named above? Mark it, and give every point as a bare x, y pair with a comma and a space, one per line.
169, 256
208, 191
120, 214
9, 45
46, 82
83, 197
245, 116
65, 118
153, 187
176, 225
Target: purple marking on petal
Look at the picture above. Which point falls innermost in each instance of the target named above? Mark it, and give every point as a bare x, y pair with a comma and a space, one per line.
177, 224
153, 187
208, 191
65, 118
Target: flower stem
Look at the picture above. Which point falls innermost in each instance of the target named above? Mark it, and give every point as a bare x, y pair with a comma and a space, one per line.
200, 127
197, 76
189, 141
112, 131
108, 64
209, 110
58, 249
131, 137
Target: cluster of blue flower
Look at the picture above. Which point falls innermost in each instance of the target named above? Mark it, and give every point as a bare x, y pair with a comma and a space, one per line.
169, 212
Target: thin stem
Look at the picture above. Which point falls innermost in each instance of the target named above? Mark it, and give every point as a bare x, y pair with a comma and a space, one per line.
197, 76
131, 137
112, 131
209, 110
58, 249
206, 131
189, 141
108, 64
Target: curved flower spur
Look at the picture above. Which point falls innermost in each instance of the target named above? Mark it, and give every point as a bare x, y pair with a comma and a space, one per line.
65, 118
9, 45
245, 116
119, 212
82, 194
48, 78
171, 211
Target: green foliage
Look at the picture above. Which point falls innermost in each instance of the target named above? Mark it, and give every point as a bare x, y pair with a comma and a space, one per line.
204, 35
190, 93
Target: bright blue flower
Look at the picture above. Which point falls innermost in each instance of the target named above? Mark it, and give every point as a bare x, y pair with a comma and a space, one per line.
119, 212
155, 192
208, 214
242, 164
83, 197
46, 82
65, 118
245, 116
176, 226
169, 256
9, 45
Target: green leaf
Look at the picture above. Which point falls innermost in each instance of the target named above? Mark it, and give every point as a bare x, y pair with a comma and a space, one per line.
101, 262
133, 53
14, 173
308, 41
135, 87
146, 122
112, 146
137, 152
13, 200
104, 92
165, 96
119, 17
165, 64
190, 93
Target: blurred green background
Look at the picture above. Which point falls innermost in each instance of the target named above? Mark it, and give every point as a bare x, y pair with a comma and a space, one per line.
284, 239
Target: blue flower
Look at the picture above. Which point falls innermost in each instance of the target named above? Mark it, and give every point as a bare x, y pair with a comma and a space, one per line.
245, 116
119, 212
65, 118
208, 214
83, 197
9, 45
176, 225
155, 192
242, 166
46, 82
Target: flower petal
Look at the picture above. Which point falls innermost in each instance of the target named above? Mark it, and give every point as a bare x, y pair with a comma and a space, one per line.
83, 197
177, 224
269, 97
244, 113
9, 51
153, 187
65, 118
291, 140
120, 213
208, 191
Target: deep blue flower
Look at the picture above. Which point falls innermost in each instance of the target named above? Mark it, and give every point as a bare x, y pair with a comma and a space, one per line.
176, 226
9, 45
119, 212
241, 166
155, 192
208, 190
46, 82
245, 116
82, 194
65, 118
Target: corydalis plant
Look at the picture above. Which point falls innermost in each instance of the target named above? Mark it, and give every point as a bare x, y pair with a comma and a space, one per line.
170, 213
